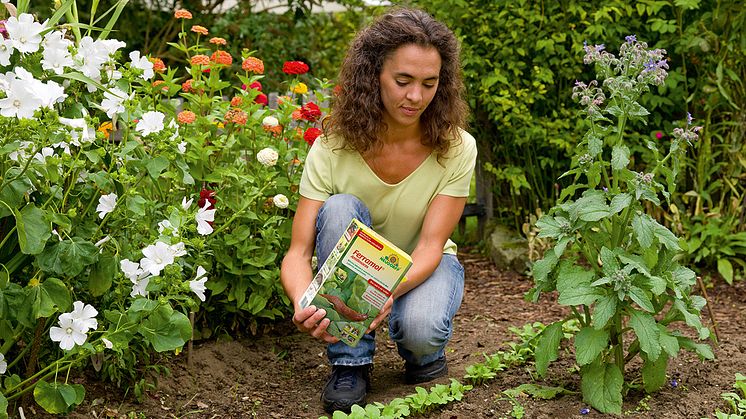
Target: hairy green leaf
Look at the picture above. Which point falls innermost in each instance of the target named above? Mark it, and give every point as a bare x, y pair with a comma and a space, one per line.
604, 311
589, 342
601, 385
654, 372
647, 333
619, 157
548, 347
642, 230
620, 202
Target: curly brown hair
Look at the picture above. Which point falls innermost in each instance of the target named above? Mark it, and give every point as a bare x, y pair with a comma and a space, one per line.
357, 113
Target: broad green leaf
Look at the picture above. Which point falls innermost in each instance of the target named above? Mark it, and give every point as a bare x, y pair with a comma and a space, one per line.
590, 207
619, 157
641, 298
33, 229
665, 236
691, 319
654, 373
50, 296
13, 194
620, 202
726, 270
601, 385
543, 267
548, 227
256, 302
3, 407
68, 257
608, 258
643, 231
604, 310
574, 285
647, 333
669, 343
547, 348
166, 329
58, 398
703, 350
582, 293
684, 277
136, 204
102, 274
589, 342
156, 166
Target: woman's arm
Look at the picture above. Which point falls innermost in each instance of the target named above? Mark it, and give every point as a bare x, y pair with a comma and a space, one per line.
296, 272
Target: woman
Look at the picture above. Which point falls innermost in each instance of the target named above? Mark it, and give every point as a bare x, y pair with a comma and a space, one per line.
396, 158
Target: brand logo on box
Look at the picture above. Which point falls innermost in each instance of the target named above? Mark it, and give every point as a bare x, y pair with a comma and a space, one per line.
392, 261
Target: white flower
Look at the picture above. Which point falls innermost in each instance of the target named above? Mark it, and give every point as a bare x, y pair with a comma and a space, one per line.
166, 225
150, 122
197, 285
157, 257
57, 54
110, 46
24, 32
85, 314
280, 201
107, 343
130, 269
143, 64
3, 364
80, 130
113, 102
267, 157
41, 156
270, 121
69, 333
186, 204
139, 286
102, 241
6, 51
106, 204
20, 101
182, 147
178, 249
204, 217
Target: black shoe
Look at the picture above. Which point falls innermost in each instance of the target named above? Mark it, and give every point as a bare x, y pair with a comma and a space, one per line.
414, 374
346, 386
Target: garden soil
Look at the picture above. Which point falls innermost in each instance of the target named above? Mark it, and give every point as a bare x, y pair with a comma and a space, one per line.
279, 375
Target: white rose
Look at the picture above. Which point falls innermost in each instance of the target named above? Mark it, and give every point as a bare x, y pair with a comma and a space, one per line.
267, 157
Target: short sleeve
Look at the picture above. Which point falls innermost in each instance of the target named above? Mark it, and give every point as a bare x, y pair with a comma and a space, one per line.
315, 182
460, 167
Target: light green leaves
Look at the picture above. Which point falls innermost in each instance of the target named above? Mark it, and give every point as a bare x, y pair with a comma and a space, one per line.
590, 207
589, 343
574, 286
33, 229
601, 384
654, 373
647, 333
166, 329
68, 257
619, 157
58, 398
548, 347
645, 229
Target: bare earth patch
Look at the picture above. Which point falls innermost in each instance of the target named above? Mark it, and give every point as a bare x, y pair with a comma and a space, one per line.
279, 375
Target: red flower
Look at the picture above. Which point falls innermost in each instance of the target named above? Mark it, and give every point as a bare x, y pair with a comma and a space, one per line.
295, 67
261, 99
658, 135
311, 135
206, 195
310, 112
256, 85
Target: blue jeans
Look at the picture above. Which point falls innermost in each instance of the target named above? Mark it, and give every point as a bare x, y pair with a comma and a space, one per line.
421, 321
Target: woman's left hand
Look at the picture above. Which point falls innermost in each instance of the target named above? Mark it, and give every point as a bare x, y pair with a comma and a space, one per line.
381, 315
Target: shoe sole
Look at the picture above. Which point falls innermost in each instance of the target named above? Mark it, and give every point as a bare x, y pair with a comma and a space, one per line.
331, 406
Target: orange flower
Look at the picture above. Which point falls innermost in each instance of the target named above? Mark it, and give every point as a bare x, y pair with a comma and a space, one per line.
183, 14
218, 41
158, 65
186, 117
221, 57
253, 64
276, 129
160, 82
187, 85
200, 30
236, 101
237, 116
106, 128
297, 115
200, 60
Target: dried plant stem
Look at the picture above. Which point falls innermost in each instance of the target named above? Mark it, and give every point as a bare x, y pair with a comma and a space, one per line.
709, 309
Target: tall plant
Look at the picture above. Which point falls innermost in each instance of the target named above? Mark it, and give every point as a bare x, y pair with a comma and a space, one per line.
613, 264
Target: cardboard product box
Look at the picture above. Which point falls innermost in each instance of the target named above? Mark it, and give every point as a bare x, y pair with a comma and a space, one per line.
356, 281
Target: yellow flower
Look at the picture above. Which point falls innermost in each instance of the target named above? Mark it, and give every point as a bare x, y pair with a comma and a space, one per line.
300, 89
106, 128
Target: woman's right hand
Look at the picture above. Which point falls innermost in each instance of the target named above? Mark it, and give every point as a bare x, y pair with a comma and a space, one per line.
312, 321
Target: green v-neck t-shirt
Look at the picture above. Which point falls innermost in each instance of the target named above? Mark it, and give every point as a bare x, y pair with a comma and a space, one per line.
397, 210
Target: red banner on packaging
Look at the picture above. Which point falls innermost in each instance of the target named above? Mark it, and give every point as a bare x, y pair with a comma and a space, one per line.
378, 286
373, 242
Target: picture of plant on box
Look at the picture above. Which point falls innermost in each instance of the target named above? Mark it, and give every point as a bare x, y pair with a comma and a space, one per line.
614, 265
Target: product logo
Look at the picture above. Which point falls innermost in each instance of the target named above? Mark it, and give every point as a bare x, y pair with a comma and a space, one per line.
391, 261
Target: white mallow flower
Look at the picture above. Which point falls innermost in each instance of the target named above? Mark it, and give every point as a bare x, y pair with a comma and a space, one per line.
186, 204
85, 314
57, 54
24, 33
157, 257
280, 201
204, 217
270, 121
106, 204
178, 249
113, 102
107, 343
150, 122
130, 269
182, 147
139, 287
166, 225
69, 333
197, 285
102, 241
6, 51
20, 101
22, 152
267, 157
80, 130
3, 364
90, 58
143, 64
41, 156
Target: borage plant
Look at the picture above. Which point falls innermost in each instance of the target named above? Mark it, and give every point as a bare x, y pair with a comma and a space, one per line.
613, 264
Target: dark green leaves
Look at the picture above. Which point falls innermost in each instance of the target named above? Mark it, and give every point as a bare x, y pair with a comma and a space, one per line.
647, 333
574, 286
589, 343
58, 398
602, 386
548, 347
33, 229
68, 257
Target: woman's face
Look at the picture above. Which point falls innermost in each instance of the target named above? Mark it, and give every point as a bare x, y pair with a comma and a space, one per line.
409, 80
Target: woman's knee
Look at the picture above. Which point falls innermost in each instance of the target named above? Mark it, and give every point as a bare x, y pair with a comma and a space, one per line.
422, 334
344, 206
